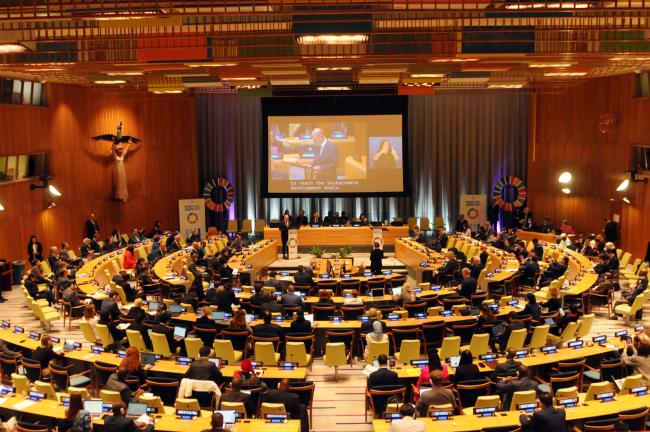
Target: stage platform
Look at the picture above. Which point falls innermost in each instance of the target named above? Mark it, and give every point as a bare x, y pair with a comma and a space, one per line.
290, 265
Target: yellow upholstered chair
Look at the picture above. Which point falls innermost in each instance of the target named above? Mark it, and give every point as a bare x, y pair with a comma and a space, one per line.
335, 356
104, 335
87, 331
187, 404
224, 350
21, 382
479, 344
160, 345
297, 352
586, 321
522, 397
45, 388
238, 407
516, 339
567, 334
265, 353
110, 396
450, 347
272, 408
631, 381
493, 401
192, 346
375, 349
597, 388
135, 339
538, 340
409, 350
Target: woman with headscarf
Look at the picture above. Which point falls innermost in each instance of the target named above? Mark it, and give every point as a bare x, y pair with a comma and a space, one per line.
376, 335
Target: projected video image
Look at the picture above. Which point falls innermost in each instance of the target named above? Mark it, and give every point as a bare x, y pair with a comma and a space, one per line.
330, 154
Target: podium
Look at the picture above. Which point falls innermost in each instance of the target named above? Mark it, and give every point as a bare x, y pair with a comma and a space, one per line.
292, 243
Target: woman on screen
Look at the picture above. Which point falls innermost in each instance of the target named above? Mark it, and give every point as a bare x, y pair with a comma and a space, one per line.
386, 157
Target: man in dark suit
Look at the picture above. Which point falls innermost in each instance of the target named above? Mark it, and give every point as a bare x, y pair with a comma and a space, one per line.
285, 226
529, 270
203, 369
554, 271
327, 156
109, 308
92, 227
236, 395
548, 419
508, 385
507, 367
301, 219
302, 277
442, 240
538, 248
53, 259
290, 298
119, 423
610, 231
468, 285
291, 402
268, 329
446, 272
476, 267
383, 375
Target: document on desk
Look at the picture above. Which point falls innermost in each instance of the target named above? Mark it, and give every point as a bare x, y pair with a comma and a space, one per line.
22, 405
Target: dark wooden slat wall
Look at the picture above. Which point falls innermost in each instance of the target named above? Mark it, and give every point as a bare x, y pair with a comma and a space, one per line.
567, 137
161, 171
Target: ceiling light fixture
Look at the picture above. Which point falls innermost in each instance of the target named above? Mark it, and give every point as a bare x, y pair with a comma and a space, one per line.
332, 39
336, 68
629, 59
566, 190
626, 199
333, 88
505, 86
551, 64
427, 75
250, 78
623, 186
565, 177
124, 73
11, 48
454, 60
195, 65
108, 82
565, 74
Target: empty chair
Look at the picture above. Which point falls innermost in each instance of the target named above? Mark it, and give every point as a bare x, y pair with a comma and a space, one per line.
20, 382
479, 345
567, 334
265, 353
516, 339
104, 335
584, 328
135, 339
296, 352
192, 346
271, 408
377, 397
224, 350
335, 356
630, 382
30, 427
46, 388
450, 347
635, 418
522, 397
186, 404
160, 345
597, 388
166, 388
469, 391
238, 407
409, 350
484, 402
559, 381
433, 334
110, 396
540, 335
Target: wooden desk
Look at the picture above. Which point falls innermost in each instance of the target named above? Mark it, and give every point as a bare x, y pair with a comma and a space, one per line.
468, 422
530, 235
340, 236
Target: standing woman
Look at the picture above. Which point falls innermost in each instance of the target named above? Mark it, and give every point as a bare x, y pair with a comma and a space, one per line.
76, 418
376, 257
34, 249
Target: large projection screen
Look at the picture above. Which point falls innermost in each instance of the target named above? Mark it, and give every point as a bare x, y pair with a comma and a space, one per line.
323, 147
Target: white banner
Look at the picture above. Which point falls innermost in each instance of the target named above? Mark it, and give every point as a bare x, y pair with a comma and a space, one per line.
292, 243
474, 207
191, 214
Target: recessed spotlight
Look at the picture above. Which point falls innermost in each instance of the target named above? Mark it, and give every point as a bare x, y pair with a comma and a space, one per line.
565, 177
332, 39
333, 88
623, 185
566, 190
107, 82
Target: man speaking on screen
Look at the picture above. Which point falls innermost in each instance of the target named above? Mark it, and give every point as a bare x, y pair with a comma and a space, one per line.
327, 157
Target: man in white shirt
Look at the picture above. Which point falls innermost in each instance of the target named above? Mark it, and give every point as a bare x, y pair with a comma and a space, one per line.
407, 423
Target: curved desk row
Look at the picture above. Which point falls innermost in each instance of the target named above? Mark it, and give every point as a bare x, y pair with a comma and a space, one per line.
165, 422
344, 235
468, 422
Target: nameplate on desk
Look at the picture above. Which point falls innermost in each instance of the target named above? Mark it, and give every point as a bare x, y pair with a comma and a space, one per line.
183, 361
248, 266
121, 354
490, 275
527, 407
288, 365
34, 335
393, 317
639, 391
604, 397
436, 288
600, 339
424, 264
441, 415
446, 313
187, 414
336, 320
367, 274
417, 290
420, 364
152, 410
65, 401
639, 328
276, 418
111, 255
568, 403
521, 354
256, 364
36, 396
5, 324
488, 357
392, 416
347, 276
621, 334
5, 390
364, 319
549, 350
576, 344
494, 307
18, 330
325, 276
485, 412
278, 319
420, 315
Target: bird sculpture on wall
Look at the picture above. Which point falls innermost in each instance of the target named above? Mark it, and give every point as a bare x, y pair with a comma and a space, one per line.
121, 144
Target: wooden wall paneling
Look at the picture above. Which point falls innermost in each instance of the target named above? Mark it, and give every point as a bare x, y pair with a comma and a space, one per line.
162, 170
567, 137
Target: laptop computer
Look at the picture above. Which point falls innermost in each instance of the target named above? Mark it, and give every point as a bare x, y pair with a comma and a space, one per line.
229, 416
94, 407
377, 292
148, 358
175, 309
497, 329
153, 306
454, 361
179, 332
136, 409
